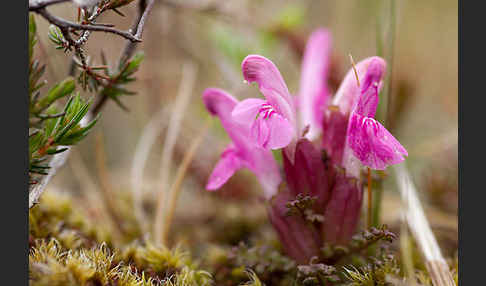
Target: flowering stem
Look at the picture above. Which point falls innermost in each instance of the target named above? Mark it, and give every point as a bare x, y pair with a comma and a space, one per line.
370, 200
377, 197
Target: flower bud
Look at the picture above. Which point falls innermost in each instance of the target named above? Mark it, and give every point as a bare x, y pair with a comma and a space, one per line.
308, 174
343, 209
301, 240
335, 125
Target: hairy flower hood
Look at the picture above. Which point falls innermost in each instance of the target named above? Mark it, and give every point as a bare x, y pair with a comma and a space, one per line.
272, 121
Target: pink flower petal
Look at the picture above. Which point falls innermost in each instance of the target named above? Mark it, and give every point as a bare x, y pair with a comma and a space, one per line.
314, 93
281, 132
260, 132
354, 100
226, 167
267, 171
261, 70
247, 110
372, 144
274, 132
368, 101
219, 103
244, 152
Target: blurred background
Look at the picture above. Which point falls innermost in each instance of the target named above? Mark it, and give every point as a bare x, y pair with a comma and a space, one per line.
208, 39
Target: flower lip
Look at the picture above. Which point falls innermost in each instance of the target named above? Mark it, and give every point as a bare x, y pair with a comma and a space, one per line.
253, 109
241, 152
370, 122
372, 144
270, 130
267, 109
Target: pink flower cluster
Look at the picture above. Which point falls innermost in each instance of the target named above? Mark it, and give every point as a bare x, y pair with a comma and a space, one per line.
303, 126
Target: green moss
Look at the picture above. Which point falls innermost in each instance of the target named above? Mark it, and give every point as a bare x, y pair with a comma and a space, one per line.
69, 246
66, 248
54, 217
49, 264
189, 276
374, 273
128, 277
254, 280
162, 259
263, 260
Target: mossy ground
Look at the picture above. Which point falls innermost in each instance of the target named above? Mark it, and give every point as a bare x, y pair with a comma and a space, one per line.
71, 245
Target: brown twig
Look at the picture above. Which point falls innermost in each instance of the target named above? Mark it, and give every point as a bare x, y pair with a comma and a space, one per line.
58, 160
144, 9
61, 23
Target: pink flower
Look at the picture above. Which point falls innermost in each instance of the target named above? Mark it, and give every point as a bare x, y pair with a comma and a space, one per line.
314, 92
352, 137
337, 199
336, 118
368, 140
242, 152
272, 121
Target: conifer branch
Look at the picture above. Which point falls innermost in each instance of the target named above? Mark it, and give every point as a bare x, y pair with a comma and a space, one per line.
58, 160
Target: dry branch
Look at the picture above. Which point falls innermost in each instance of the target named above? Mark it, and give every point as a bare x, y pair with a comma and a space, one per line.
58, 160
61, 23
